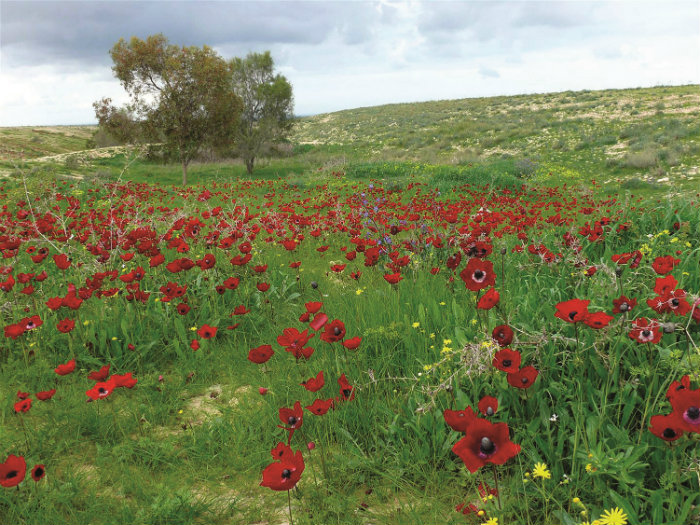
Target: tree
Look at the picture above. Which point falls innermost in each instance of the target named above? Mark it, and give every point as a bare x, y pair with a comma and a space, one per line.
267, 105
180, 96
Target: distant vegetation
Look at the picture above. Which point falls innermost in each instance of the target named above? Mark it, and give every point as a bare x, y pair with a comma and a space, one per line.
637, 138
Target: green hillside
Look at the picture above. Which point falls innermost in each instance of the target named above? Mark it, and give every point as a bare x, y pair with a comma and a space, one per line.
29, 142
651, 133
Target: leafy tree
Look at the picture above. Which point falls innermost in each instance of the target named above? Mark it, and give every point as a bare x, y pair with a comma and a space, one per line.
267, 105
180, 96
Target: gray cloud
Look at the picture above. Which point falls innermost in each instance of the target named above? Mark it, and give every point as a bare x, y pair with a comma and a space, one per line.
46, 32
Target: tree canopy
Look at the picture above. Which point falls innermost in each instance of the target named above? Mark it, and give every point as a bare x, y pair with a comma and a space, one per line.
180, 96
267, 105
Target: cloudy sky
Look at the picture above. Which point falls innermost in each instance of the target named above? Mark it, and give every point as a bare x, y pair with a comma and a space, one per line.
54, 55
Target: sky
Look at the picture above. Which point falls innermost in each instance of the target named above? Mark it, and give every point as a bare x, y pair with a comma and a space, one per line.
54, 55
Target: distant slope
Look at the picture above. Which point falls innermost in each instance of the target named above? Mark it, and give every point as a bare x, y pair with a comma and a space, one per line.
650, 131
24, 143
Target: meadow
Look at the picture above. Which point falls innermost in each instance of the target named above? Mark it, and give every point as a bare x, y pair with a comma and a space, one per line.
359, 335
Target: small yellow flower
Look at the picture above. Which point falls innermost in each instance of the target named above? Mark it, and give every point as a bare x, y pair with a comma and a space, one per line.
541, 471
179, 411
688, 245
446, 341
576, 500
193, 328
114, 338
85, 323
432, 336
481, 513
613, 517
157, 300
358, 291
474, 321
442, 303
589, 467
491, 521
416, 324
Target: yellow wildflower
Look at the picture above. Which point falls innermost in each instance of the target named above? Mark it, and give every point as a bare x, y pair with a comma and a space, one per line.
416, 324
613, 517
358, 291
541, 471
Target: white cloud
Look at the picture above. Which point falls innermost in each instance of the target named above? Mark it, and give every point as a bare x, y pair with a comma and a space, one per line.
348, 54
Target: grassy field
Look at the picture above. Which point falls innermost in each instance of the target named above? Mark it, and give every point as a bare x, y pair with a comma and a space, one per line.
398, 277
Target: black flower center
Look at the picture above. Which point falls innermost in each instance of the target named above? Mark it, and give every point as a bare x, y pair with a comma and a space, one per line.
507, 362
572, 315
646, 333
624, 307
675, 302
286, 473
479, 275
524, 380
693, 413
38, 472
292, 420
489, 411
336, 331
487, 446
102, 390
669, 433
11, 474
347, 392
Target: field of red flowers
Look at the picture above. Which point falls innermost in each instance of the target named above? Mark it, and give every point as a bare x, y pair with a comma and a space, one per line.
348, 352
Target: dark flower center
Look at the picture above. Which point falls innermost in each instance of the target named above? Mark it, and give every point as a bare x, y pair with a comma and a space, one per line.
693, 413
489, 411
286, 473
572, 315
336, 331
347, 392
507, 362
487, 446
646, 333
11, 474
38, 472
292, 420
524, 380
669, 433
624, 307
675, 302
102, 390
479, 275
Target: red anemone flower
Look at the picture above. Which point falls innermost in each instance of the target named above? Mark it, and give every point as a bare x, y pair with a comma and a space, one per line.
459, 420
101, 390
502, 335
285, 474
664, 265
573, 310
207, 332
320, 406
315, 383
347, 391
353, 343
667, 427
488, 405
45, 395
598, 320
101, 374
319, 320
293, 418
261, 354
489, 300
38, 472
478, 274
623, 304
65, 326
66, 368
485, 442
645, 331
333, 331
12, 471
523, 378
23, 405
507, 360
393, 278
313, 307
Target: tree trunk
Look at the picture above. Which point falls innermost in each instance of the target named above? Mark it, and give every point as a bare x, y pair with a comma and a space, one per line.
249, 165
184, 174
